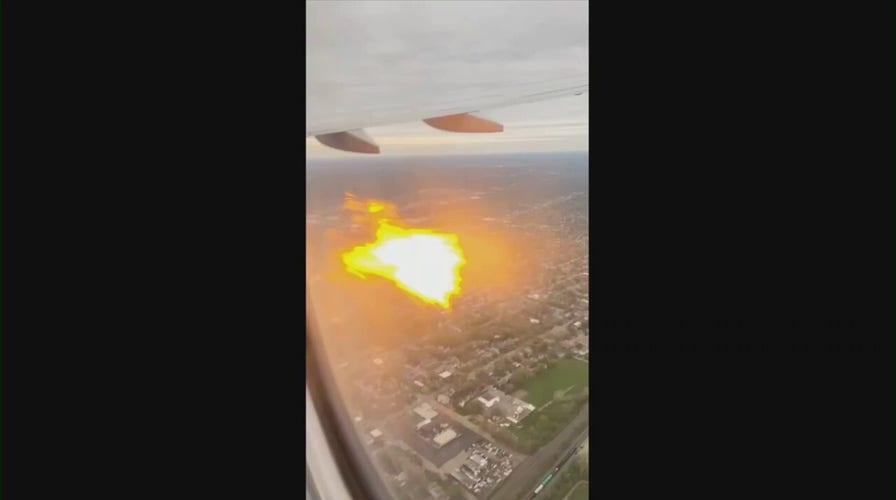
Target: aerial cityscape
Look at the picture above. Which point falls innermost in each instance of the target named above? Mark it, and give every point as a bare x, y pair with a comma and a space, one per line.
485, 397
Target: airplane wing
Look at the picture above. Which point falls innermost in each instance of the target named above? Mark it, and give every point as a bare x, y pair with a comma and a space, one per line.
435, 62
344, 130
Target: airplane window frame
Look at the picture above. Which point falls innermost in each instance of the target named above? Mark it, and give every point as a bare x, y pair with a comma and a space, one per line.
356, 468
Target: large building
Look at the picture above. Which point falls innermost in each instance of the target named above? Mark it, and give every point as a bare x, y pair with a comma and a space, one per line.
425, 414
431, 427
511, 408
444, 437
488, 400
425, 411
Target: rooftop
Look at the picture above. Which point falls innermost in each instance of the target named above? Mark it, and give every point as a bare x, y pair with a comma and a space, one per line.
512, 408
425, 411
445, 437
463, 479
488, 402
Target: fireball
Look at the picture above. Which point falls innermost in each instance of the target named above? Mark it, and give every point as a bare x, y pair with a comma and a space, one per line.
422, 262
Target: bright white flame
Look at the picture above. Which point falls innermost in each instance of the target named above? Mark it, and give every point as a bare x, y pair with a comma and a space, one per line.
424, 263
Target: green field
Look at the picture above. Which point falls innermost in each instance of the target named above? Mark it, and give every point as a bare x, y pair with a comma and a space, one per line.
580, 493
563, 375
567, 376
571, 485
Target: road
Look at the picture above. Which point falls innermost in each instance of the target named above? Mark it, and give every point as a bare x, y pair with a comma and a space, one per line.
527, 475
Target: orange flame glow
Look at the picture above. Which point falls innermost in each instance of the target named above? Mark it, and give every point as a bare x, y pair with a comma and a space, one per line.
422, 262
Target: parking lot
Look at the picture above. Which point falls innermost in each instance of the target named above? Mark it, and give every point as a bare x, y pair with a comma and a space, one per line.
487, 465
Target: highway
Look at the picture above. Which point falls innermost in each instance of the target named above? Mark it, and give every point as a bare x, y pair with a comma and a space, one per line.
523, 480
547, 489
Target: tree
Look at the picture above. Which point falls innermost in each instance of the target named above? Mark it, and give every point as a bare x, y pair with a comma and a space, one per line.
501, 366
469, 408
506, 437
466, 387
474, 406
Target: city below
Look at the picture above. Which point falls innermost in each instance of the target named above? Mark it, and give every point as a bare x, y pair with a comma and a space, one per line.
490, 399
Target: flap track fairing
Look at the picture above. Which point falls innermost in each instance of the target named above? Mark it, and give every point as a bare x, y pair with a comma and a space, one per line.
355, 141
464, 122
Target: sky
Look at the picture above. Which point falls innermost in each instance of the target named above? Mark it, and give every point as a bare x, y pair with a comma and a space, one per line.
399, 60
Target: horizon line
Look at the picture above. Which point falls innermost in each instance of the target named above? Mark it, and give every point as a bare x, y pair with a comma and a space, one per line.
497, 153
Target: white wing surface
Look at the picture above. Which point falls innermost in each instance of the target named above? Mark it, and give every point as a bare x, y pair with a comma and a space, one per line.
371, 64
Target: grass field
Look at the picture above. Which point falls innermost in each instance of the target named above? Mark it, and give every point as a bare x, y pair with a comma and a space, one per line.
571, 485
565, 374
580, 493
